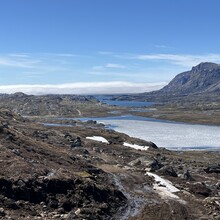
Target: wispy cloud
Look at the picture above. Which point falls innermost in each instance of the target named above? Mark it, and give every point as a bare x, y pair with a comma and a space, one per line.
37, 64
162, 46
109, 66
185, 60
18, 61
114, 65
105, 53
19, 55
117, 87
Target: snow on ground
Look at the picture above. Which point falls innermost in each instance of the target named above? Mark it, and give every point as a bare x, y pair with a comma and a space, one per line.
135, 146
98, 138
164, 187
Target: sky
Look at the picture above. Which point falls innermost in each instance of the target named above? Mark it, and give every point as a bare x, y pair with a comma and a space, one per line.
103, 46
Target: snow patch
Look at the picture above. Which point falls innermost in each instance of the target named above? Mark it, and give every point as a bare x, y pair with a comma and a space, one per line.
164, 187
98, 138
135, 146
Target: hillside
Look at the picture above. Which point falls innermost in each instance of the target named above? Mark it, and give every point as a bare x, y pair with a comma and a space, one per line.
203, 78
52, 105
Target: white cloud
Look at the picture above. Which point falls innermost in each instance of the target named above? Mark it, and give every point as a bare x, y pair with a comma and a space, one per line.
116, 87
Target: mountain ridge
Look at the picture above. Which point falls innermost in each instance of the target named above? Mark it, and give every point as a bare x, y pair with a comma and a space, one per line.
203, 78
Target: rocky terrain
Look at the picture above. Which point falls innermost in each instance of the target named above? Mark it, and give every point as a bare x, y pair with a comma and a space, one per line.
85, 171
53, 105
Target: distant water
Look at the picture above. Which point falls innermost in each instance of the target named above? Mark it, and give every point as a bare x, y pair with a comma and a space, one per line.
106, 100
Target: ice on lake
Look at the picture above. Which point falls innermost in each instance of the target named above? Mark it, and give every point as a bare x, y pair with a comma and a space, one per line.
169, 135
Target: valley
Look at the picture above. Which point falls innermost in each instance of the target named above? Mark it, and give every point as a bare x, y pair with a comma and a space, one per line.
76, 157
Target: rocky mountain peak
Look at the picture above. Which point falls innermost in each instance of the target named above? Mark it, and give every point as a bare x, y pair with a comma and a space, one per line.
205, 66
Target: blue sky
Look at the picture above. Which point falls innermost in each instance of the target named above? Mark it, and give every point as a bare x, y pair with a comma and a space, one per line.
141, 44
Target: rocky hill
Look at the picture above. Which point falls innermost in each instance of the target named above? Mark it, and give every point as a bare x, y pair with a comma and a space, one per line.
203, 78
52, 105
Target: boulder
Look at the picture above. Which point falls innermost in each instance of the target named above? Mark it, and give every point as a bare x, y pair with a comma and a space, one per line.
212, 169
187, 176
168, 171
200, 189
151, 164
76, 142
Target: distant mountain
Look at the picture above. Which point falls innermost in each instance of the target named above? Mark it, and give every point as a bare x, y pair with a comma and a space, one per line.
201, 83
203, 78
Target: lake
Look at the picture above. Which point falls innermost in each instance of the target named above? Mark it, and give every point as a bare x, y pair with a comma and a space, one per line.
168, 134
107, 100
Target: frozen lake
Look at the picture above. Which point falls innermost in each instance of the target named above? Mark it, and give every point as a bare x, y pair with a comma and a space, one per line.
166, 134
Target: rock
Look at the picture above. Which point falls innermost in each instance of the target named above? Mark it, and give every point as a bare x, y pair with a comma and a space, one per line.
2, 212
68, 136
151, 164
53, 203
64, 216
200, 189
77, 212
212, 169
153, 145
168, 170
16, 152
91, 122
187, 176
9, 137
155, 165
218, 185
77, 142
